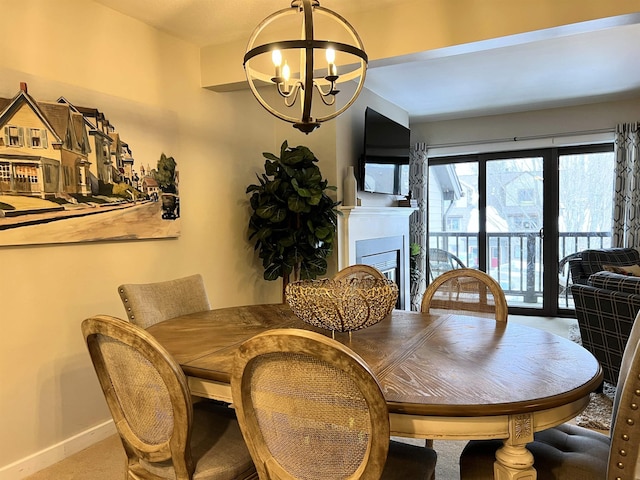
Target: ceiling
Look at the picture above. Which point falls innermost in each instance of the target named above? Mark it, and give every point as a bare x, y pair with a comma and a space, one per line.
585, 63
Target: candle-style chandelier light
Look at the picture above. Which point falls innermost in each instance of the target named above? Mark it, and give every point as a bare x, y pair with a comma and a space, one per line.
307, 68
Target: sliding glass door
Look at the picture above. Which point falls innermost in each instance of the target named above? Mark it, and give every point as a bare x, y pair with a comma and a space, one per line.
517, 215
514, 217
585, 214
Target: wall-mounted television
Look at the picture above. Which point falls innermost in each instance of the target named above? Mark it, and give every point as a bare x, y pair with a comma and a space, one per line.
384, 165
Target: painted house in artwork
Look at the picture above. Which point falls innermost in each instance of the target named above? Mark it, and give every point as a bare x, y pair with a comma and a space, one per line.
150, 186
43, 148
55, 149
101, 165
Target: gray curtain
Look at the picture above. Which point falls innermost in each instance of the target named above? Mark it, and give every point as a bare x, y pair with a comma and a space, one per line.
626, 202
418, 181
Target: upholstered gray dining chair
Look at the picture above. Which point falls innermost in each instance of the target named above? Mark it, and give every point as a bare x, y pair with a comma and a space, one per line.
149, 303
571, 452
310, 408
163, 434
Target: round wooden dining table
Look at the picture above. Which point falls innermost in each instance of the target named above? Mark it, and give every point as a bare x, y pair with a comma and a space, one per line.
444, 376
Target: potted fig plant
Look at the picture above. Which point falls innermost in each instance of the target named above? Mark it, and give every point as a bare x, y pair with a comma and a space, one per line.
293, 221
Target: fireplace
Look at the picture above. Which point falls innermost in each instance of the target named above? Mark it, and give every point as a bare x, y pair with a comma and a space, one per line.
377, 236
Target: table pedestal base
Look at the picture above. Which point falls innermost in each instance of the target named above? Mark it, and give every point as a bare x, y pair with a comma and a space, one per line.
513, 460
514, 463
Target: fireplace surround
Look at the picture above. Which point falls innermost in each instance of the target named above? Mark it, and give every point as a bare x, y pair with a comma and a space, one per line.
377, 236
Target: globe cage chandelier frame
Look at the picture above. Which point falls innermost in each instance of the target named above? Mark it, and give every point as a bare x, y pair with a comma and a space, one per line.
292, 89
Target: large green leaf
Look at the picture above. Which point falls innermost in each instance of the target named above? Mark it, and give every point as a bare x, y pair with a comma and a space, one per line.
296, 204
323, 232
272, 272
283, 148
312, 176
273, 186
290, 172
261, 233
294, 157
266, 211
280, 215
311, 268
314, 199
303, 192
271, 168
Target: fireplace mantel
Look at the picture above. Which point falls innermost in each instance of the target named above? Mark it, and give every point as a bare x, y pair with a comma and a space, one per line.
370, 223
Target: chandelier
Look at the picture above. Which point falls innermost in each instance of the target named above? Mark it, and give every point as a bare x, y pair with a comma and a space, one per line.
305, 70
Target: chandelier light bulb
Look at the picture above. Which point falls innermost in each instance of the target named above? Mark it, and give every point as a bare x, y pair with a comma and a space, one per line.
276, 56
331, 55
332, 70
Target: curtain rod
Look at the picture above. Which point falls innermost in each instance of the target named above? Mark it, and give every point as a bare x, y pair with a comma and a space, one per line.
520, 139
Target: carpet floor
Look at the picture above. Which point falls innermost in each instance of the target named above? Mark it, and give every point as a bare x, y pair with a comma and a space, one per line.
105, 460
598, 413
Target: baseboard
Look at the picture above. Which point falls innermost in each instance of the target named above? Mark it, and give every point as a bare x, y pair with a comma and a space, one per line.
55, 453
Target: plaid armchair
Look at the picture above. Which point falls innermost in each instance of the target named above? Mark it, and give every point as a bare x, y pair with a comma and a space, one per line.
592, 261
606, 305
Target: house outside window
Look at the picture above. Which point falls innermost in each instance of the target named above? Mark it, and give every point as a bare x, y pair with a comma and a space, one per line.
523, 222
454, 224
526, 196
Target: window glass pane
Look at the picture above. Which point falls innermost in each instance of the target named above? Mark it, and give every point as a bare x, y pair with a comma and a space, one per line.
453, 216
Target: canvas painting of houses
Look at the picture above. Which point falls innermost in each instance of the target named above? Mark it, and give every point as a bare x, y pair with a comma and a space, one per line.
67, 174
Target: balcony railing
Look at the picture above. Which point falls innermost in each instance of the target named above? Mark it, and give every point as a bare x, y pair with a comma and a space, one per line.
515, 258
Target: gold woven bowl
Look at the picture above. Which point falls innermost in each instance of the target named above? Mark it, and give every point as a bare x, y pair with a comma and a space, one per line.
342, 305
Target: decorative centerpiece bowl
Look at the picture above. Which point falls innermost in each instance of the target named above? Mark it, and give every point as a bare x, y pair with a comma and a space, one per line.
342, 305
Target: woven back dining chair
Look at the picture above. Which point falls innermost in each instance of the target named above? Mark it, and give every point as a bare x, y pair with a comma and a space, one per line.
163, 434
568, 451
466, 291
310, 408
358, 271
149, 303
